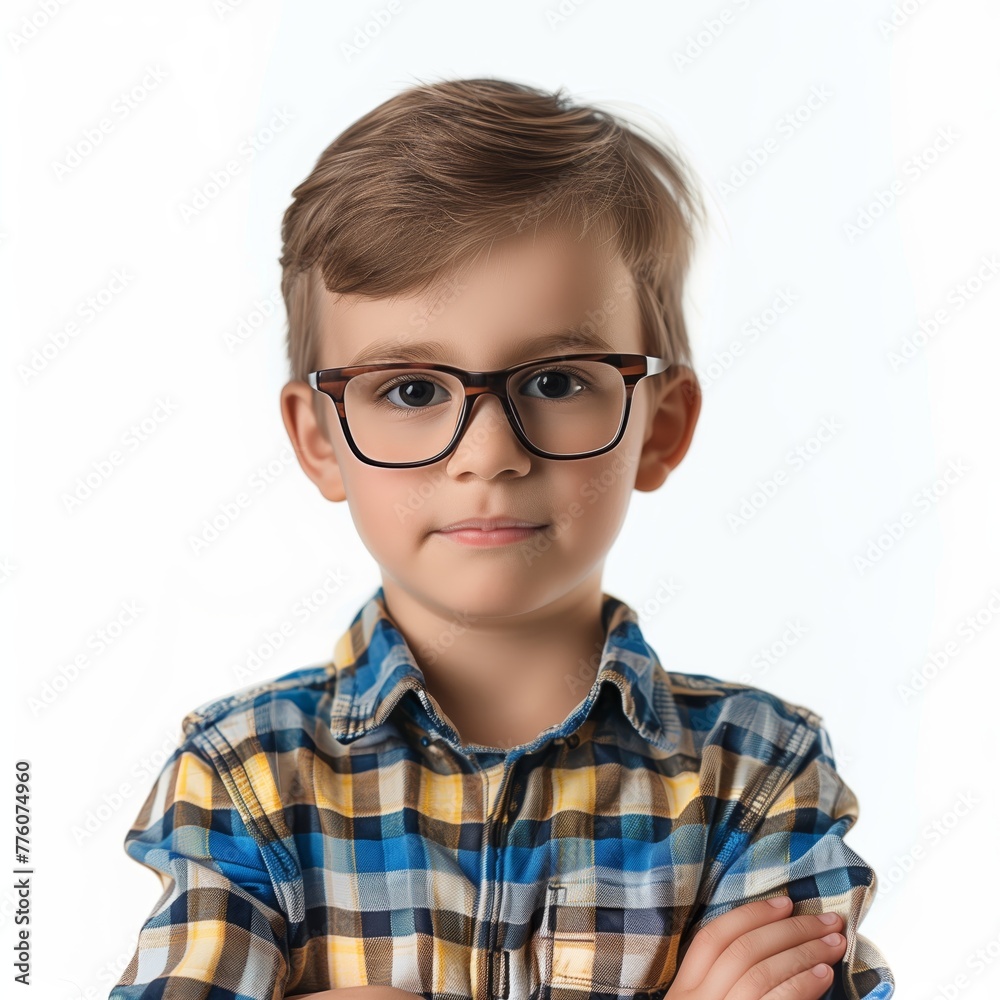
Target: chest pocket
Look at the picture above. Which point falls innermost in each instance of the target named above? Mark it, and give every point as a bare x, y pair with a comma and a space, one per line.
602, 936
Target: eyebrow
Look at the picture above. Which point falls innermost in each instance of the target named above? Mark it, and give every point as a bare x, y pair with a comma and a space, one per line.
387, 351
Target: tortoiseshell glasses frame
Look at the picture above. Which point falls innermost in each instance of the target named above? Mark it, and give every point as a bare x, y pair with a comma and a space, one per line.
631, 367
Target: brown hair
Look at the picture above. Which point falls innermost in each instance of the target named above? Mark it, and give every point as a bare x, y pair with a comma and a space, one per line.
424, 182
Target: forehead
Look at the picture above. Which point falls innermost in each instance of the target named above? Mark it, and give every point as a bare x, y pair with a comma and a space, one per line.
530, 296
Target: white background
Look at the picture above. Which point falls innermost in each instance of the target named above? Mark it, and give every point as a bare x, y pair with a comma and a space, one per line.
913, 741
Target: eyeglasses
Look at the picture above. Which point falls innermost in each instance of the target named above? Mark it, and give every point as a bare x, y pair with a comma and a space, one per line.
405, 415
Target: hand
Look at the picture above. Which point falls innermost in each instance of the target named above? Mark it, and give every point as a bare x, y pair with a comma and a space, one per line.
358, 993
759, 952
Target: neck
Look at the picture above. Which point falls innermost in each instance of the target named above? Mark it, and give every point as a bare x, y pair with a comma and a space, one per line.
501, 680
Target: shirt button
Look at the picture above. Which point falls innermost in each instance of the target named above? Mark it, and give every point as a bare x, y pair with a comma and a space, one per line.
573, 740
425, 740
513, 807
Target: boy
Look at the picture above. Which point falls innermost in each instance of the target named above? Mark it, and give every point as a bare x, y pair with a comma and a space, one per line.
494, 789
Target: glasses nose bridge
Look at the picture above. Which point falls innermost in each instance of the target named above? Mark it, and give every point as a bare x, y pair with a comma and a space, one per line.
488, 384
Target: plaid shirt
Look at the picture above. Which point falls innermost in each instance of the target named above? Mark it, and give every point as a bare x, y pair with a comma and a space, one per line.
329, 829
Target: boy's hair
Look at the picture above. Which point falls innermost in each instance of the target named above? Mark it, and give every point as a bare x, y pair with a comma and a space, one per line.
421, 185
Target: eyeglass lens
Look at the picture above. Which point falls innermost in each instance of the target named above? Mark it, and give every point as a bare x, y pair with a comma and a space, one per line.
410, 415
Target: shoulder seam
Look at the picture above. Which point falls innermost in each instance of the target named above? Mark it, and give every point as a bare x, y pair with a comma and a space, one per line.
255, 818
777, 776
209, 712
286, 879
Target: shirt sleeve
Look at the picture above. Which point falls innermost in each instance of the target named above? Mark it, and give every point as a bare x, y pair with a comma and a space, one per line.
795, 845
217, 932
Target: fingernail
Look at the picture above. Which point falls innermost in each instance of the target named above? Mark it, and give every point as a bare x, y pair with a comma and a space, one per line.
779, 901
820, 970
829, 918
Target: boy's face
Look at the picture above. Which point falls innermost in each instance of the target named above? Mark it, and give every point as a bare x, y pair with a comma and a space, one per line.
487, 318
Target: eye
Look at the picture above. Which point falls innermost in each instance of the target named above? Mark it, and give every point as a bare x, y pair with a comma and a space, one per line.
417, 391
554, 383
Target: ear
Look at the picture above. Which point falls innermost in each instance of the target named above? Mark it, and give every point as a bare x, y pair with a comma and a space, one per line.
309, 438
675, 402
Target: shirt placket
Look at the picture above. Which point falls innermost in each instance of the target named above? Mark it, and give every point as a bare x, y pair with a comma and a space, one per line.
490, 962
499, 816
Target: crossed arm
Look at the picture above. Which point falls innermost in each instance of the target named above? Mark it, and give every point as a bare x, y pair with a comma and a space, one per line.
796, 848
219, 922
756, 947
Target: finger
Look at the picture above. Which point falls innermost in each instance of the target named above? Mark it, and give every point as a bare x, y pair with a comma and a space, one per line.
750, 960
718, 934
787, 965
807, 985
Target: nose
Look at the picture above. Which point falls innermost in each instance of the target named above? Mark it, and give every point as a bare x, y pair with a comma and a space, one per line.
488, 443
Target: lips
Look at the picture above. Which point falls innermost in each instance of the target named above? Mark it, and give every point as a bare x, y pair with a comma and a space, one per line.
491, 524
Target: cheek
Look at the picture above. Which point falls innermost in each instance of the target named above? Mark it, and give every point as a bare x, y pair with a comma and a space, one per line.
593, 498
389, 508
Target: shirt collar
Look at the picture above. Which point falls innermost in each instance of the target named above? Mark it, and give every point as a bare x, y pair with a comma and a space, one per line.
375, 668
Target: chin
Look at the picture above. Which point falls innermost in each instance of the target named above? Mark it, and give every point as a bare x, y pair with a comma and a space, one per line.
484, 594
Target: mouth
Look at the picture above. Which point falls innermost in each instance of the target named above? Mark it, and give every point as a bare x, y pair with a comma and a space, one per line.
488, 532
491, 524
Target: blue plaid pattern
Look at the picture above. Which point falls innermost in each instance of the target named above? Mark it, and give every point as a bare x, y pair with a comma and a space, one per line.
329, 829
